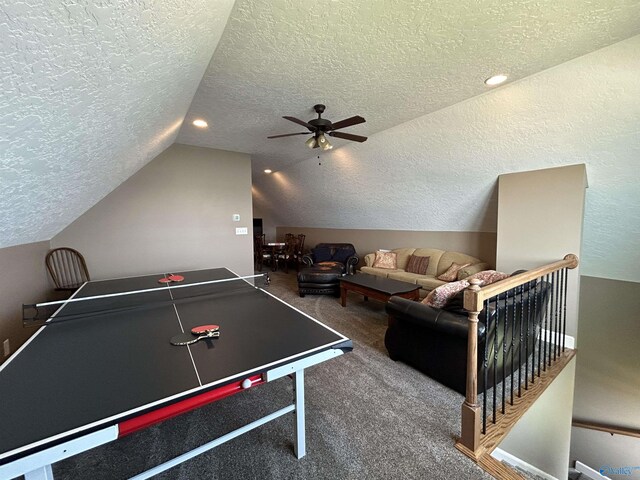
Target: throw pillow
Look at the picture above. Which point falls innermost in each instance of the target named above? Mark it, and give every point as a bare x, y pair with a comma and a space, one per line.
452, 272
321, 254
487, 277
418, 264
386, 260
439, 297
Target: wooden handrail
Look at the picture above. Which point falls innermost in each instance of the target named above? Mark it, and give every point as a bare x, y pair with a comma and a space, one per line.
474, 299
603, 427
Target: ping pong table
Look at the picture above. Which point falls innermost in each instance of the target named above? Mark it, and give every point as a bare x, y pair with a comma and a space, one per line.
103, 366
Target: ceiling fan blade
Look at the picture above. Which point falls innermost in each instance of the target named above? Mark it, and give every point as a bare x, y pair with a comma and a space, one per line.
300, 122
347, 122
348, 136
289, 135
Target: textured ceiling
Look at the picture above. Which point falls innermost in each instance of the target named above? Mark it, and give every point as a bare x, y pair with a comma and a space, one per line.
389, 61
91, 91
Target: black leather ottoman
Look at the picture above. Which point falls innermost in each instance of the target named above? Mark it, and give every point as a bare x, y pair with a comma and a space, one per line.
319, 280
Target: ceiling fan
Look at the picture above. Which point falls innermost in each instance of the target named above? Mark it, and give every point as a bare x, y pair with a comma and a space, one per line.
321, 126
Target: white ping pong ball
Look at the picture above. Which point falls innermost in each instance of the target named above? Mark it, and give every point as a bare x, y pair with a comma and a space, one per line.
246, 383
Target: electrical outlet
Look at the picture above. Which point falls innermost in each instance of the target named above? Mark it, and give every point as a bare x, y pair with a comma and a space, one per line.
7, 347
242, 231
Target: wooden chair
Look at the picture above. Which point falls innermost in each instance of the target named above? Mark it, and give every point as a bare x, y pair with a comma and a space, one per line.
67, 268
258, 251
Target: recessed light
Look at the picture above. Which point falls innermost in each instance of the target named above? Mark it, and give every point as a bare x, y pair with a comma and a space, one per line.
267, 170
495, 80
200, 123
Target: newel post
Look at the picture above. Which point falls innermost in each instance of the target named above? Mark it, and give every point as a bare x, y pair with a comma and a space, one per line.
470, 428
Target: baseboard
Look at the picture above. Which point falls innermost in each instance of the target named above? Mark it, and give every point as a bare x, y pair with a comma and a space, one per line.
503, 456
569, 342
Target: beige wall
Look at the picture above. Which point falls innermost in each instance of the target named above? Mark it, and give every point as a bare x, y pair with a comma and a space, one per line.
541, 438
478, 244
607, 376
540, 215
24, 280
173, 214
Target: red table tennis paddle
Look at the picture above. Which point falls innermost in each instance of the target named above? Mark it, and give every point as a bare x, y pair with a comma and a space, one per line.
202, 332
171, 278
204, 329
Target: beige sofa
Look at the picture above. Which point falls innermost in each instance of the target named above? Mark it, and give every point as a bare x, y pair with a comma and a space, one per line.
439, 262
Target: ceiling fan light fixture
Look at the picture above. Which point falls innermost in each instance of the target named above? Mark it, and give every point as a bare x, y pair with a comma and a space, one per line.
324, 143
311, 143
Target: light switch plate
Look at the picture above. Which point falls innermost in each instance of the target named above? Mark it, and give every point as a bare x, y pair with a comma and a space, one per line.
242, 231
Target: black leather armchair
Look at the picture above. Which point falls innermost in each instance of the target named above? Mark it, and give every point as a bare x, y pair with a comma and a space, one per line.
339, 254
434, 340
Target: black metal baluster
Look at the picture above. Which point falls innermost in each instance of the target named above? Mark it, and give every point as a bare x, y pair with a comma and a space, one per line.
536, 308
513, 337
547, 333
504, 353
485, 362
565, 272
520, 322
526, 346
556, 340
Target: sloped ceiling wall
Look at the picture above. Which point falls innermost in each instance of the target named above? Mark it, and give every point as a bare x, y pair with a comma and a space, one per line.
439, 172
91, 91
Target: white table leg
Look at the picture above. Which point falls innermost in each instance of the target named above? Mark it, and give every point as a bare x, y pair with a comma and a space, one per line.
298, 388
42, 473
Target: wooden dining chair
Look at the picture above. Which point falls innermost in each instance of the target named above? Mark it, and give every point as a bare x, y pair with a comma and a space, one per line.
67, 268
259, 252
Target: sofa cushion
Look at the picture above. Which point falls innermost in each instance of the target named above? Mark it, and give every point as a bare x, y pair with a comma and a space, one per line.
417, 264
471, 269
439, 297
450, 257
385, 260
380, 272
403, 255
434, 255
321, 254
404, 276
452, 272
341, 255
429, 283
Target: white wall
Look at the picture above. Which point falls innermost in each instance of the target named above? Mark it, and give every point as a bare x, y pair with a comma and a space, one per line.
439, 172
174, 214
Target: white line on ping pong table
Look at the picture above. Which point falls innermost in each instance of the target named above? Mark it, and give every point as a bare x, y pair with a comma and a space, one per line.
157, 289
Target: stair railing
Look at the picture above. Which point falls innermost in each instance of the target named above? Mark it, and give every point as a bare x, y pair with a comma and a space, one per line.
524, 324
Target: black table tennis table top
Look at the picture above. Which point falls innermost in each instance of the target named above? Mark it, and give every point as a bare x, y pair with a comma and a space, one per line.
85, 369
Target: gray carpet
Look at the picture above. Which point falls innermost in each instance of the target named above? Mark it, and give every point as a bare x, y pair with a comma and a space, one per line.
367, 417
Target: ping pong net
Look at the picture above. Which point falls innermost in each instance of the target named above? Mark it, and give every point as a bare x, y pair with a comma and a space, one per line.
166, 293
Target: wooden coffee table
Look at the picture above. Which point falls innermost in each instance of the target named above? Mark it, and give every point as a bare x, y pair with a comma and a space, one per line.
376, 287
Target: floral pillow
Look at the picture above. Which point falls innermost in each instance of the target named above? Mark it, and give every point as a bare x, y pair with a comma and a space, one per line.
487, 277
439, 297
386, 260
452, 272
418, 264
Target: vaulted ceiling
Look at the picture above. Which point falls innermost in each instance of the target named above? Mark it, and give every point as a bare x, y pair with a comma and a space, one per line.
94, 91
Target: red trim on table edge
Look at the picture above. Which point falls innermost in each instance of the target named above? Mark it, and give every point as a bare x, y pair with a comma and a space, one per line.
143, 421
